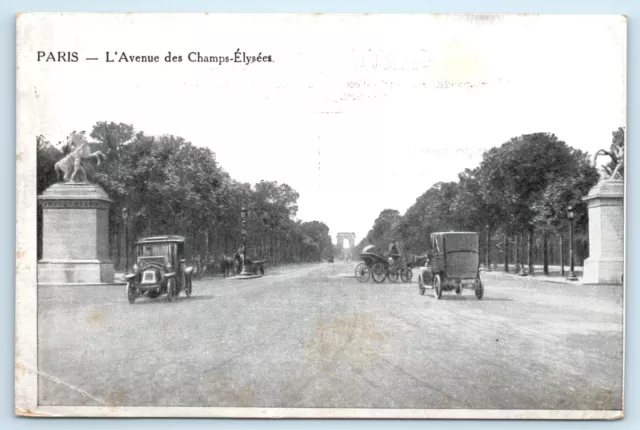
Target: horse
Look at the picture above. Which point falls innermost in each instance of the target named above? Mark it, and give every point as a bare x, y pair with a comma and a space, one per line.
617, 157
71, 164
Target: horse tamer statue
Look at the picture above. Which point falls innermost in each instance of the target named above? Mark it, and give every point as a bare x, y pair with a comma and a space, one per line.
71, 165
616, 169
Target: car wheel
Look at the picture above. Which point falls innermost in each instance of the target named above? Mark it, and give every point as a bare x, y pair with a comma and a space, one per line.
171, 288
479, 289
437, 287
131, 293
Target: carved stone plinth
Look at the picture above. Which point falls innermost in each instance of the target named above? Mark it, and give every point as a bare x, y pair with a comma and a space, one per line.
605, 264
75, 235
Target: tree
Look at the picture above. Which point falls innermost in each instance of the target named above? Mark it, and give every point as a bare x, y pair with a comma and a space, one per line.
111, 137
515, 177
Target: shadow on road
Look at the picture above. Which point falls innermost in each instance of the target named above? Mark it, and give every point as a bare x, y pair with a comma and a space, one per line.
163, 299
484, 299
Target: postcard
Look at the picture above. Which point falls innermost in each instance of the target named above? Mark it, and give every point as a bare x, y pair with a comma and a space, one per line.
320, 215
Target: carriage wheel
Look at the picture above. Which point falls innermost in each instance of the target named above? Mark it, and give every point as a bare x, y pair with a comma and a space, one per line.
379, 272
437, 287
394, 274
362, 273
479, 289
406, 275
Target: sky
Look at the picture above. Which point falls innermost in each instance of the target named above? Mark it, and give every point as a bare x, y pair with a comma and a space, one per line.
357, 113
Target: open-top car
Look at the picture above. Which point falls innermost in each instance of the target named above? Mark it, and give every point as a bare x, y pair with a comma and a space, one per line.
160, 268
453, 264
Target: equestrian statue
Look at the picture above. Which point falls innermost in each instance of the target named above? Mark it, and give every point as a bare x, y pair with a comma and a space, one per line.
71, 165
615, 169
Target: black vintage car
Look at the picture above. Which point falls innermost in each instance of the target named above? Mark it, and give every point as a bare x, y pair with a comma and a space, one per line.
453, 265
160, 268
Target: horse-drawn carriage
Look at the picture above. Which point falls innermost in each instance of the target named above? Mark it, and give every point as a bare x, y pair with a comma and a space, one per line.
232, 266
453, 265
379, 268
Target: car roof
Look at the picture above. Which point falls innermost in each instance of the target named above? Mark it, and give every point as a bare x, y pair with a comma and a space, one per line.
454, 233
160, 239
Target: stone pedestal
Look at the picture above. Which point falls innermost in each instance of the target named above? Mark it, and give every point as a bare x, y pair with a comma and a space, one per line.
605, 264
75, 235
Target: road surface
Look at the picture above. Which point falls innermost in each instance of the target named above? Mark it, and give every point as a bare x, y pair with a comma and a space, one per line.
312, 336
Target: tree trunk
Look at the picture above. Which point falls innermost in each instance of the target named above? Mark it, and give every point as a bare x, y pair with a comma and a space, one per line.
506, 252
561, 254
488, 249
530, 251
517, 253
545, 254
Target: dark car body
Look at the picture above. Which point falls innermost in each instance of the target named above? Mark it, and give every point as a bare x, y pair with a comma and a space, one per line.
160, 268
453, 264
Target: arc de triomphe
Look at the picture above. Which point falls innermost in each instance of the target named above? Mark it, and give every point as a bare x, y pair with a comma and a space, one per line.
346, 252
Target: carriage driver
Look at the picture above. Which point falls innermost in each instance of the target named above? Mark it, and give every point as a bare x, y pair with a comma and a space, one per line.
393, 250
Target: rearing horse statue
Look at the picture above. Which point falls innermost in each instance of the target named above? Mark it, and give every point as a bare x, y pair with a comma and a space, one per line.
71, 165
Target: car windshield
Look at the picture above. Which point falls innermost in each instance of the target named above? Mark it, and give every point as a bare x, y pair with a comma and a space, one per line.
164, 250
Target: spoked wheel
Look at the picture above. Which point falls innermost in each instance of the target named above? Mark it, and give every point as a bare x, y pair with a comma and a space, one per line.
131, 293
379, 272
362, 272
187, 287
437, 287
421, 287
393, 274
479, 288
406, 275
171, 289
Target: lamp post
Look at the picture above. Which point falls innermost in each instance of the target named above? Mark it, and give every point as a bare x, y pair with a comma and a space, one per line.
572, 275
125, 217
243, 215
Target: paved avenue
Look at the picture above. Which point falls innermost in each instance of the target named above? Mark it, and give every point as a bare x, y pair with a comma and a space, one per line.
312, 336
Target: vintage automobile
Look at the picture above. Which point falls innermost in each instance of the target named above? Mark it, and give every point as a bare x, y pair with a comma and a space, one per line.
453, 265
160, 268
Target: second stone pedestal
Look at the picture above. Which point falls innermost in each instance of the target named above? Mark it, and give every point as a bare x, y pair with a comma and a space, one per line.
605, 264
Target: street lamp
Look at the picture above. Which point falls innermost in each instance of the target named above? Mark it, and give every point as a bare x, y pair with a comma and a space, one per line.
125, 217
572, 274
243, 215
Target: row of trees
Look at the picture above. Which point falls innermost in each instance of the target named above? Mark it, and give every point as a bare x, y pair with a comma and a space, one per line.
517, 198
171, 186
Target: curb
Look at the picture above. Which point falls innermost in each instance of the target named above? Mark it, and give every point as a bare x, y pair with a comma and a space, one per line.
539, 279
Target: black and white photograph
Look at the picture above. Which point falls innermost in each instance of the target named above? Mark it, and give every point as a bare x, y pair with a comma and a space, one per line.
320, 215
